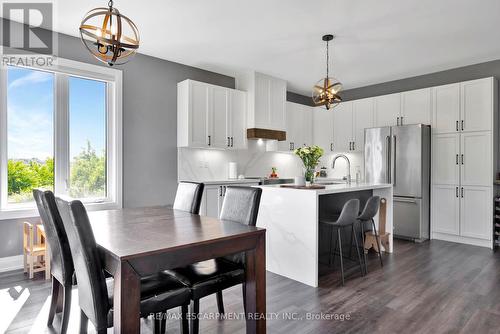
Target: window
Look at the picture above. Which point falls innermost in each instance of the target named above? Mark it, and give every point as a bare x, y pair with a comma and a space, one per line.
60, 129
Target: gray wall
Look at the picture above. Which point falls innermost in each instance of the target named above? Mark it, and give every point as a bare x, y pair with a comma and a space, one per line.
477, 71
149, 130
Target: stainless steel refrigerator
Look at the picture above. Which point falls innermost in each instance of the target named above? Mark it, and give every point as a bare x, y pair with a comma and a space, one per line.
401, 155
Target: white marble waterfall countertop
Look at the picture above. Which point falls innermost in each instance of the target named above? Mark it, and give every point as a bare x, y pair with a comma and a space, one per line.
226, 181
333, 188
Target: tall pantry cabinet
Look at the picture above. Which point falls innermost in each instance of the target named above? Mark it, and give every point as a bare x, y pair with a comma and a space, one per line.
464, 161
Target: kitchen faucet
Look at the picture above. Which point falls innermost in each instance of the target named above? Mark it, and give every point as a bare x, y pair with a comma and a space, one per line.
348, 166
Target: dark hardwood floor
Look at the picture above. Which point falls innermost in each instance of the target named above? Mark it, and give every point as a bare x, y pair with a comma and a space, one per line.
434, 287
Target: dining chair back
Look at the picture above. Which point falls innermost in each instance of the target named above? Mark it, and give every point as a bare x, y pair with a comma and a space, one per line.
188, 197
61, 262
92, 290
241, 204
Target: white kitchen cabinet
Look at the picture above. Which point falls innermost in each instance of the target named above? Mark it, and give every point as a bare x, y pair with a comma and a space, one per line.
193, 114
213, 198
416, 107
219, 126
323, 128
266, 107
342, 127
298, 127
446, 111
445, 207
363, 117
476, 159
445, 159
387, 110
210, 116
476, 217
238, 120
211, 201
477, 103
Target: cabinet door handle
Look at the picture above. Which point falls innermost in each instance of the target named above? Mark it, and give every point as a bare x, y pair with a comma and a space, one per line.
293, 146
228, 142
457, 125
462, 125
397, 121
462, 192
209, 140
462, 159
401, 120
225, 188
456, 191
232, 141
220, 191
456, 159
353, 145
331, 147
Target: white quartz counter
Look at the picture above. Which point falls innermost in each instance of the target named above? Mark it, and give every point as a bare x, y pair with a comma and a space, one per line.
335, 188
226, 181
290, 217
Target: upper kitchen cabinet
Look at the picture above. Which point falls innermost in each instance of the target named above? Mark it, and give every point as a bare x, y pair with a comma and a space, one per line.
298, 127
323, 128
464, 107
446, 111
363, 117
387, 110
266, 101
477, 104
238, 119
416, 107
342, 127
210, 116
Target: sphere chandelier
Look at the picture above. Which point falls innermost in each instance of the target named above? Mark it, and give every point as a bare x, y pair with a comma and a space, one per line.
326, 91
109, 36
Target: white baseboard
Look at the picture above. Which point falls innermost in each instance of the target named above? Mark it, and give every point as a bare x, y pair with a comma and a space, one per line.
11, 263
462, 240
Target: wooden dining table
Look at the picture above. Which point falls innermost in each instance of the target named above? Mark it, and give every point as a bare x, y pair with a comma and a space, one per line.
142, 241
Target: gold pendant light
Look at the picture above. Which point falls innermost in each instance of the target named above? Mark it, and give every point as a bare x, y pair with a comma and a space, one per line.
326, 91
109, 36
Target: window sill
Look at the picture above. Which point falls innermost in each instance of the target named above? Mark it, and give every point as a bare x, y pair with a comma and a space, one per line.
32, 211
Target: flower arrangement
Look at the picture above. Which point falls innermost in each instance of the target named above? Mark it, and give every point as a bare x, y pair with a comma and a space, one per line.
310, 156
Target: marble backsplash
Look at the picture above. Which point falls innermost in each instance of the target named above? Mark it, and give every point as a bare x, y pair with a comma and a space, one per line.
212, 164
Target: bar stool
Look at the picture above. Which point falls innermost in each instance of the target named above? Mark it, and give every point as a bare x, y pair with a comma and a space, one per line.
369, 212
346, 219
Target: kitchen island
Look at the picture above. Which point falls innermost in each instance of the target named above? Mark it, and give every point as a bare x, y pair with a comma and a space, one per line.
291, 218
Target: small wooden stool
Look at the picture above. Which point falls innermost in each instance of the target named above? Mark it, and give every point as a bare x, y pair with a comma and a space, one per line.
35, 249
370, 239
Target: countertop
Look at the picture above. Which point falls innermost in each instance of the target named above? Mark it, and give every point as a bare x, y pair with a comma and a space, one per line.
226, 181
334, 188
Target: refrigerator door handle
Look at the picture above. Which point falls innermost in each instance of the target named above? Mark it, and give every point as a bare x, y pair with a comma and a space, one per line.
388, 138
393, 168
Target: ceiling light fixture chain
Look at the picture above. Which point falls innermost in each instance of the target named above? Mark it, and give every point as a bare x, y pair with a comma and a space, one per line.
326, 91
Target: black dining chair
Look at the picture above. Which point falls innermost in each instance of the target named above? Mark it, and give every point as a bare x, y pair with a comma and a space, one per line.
347, 219
61, 263
159, 292
188, 197
241, 205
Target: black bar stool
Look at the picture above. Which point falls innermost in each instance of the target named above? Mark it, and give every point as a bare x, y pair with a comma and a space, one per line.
347, 218
369, 212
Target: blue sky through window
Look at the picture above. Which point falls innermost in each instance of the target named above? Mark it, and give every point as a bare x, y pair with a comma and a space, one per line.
31, 110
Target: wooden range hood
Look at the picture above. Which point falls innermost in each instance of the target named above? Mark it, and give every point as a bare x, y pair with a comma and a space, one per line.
256, 133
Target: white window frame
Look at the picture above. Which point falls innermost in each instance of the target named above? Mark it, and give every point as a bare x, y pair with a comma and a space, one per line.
63, 68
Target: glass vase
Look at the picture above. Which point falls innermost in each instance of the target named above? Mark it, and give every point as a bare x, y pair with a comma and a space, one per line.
309, 175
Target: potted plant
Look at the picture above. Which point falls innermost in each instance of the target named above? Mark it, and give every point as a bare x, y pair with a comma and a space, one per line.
310, 156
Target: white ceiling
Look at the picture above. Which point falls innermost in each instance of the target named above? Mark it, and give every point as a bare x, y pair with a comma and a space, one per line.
377, 41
